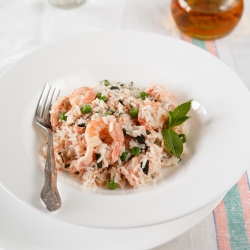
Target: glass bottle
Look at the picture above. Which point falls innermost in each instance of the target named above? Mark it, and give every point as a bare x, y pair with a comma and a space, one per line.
206, 19
66, 4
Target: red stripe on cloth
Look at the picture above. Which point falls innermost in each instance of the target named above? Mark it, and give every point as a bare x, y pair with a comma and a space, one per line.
186, 38
245, 202
210, 45
222, 227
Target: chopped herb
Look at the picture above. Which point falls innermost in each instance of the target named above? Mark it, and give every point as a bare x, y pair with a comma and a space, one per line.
99, 164
143, 95
130, 85
124, 131
141, 139
123, 156
134, 112
111, 184
98, 95
183, 138
148, 132
86, 109
135, 151
114, 87
179, 159
81, 125
120, 101
107, 113
63, 116
146, 167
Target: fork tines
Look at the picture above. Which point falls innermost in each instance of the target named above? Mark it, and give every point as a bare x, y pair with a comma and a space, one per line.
49, 94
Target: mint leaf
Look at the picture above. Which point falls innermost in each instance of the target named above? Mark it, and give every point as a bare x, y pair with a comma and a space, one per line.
176, 121
182, 109
178, 115
172, 142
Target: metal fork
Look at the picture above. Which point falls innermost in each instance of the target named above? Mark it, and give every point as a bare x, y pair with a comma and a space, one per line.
49, 195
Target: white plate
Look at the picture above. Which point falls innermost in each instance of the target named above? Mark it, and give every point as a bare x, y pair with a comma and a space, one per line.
23, 228
218, 142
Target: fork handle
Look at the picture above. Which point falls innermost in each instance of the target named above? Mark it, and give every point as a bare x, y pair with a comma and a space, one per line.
49, 194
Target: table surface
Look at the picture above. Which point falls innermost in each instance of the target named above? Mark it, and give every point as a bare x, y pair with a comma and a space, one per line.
28, 23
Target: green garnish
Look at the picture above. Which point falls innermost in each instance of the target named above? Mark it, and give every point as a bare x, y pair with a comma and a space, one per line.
183, 138
111, 184
134, 112
135, 151
98, 95
86, 109
173, 141
99, 164
178, 115
63, 116
103, 98
120, 101
107, 113
148, 132
143, 95
123, 156
106, 83
114, 87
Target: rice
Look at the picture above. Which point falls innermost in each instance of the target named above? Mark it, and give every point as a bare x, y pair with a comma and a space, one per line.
98, 145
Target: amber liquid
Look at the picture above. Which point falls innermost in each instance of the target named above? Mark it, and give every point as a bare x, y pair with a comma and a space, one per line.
207, 19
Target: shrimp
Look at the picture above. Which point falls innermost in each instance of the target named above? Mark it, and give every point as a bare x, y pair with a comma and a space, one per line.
83, 95
159, 93
61, 105
130, 172
152, 115
85, 160
97, 130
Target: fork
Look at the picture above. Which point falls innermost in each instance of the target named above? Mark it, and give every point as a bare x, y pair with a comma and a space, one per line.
49, 195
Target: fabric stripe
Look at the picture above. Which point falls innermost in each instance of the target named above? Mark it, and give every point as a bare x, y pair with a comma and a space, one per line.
232, 213
222, 227
186, 38
210, 45
217, 242
235, 219
199, 43
245, 202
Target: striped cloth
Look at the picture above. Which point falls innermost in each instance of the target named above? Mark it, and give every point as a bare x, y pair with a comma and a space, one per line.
230, 220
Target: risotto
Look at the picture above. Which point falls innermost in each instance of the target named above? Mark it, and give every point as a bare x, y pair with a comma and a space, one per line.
111, 134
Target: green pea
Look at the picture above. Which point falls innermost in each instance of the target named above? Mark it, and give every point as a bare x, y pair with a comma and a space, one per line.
134, 112
135, 151
183, 138
104, 98
63, 116
98, 95
143, 95
106, 82
111, 184
86, 109
123, 156
107, 113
